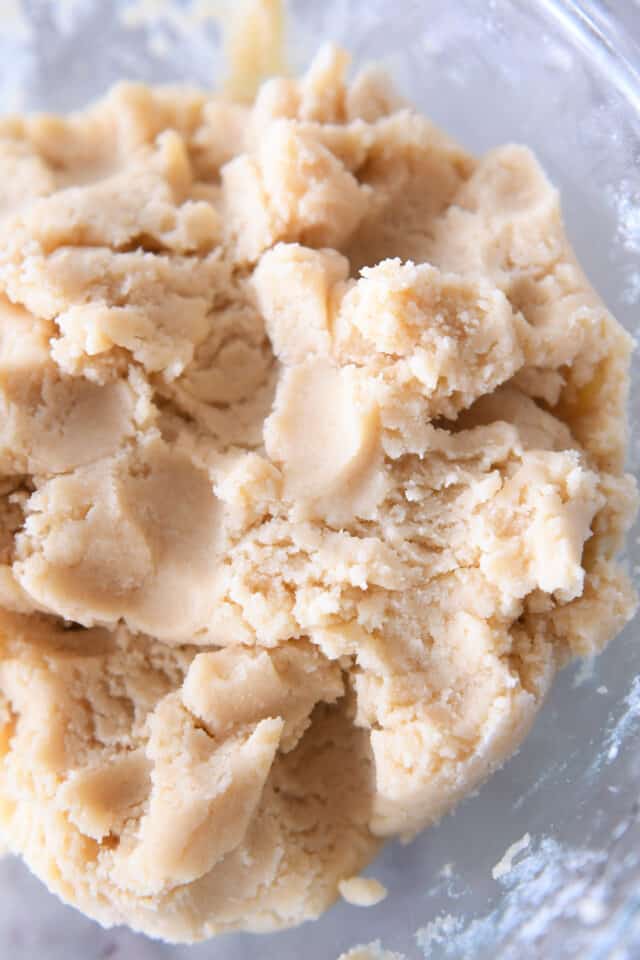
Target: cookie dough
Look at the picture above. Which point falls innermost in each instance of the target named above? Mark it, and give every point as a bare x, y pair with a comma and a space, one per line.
362, 891
311, 457
371, 951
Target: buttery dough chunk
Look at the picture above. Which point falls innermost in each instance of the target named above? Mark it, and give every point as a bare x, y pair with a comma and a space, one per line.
130, 537
311, 464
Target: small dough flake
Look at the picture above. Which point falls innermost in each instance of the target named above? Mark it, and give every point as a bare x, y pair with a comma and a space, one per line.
371, 951
311, 478
362, 891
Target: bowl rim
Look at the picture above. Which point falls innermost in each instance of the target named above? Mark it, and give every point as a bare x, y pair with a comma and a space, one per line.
600, 30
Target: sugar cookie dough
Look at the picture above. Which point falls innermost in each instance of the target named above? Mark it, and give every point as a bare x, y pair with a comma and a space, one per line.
362, 891
311, 450
370, 951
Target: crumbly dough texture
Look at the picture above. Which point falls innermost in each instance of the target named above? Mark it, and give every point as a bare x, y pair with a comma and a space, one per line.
311, 459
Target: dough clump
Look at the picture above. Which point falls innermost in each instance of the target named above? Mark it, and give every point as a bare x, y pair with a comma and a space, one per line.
311, 459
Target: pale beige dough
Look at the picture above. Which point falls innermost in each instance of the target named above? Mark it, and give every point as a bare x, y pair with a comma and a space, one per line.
370, 951
362, 891
311, 463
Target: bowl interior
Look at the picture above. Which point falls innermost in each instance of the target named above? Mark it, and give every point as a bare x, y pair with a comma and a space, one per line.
488, 73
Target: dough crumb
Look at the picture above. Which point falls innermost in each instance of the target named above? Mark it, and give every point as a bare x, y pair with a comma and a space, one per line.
362, 891
371, 951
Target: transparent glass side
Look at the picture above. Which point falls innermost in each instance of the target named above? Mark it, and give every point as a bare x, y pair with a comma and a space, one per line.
489, 73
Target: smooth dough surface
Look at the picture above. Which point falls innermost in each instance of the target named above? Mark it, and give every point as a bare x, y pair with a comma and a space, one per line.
311, 477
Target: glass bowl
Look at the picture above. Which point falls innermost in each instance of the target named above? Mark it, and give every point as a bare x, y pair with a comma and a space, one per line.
562, 78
